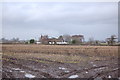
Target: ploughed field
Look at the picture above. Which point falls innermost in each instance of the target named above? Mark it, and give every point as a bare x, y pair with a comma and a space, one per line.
59, 61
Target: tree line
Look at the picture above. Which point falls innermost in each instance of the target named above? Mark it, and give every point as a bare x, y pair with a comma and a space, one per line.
112, 40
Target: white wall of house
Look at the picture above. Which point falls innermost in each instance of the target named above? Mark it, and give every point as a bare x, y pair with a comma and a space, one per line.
38, 42
61, 42
58, 43
51, 42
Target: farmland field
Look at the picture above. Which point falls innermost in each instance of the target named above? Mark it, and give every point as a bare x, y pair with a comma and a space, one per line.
59, 61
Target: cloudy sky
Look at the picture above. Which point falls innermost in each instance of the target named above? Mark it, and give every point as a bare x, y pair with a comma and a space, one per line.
30, 20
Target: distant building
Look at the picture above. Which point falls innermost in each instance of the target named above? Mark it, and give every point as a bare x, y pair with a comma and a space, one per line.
78, 38
111, 40
38, 42
46, 40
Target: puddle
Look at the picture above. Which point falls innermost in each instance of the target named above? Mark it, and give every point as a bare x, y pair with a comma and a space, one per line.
17, 69
100, 68
62, 68
86, 68
91, 62
119, 78
22, 71
73, 76
67, 71
98, 78
116, 69
109, 76
10, 70
29, 76
86, 72
94, 65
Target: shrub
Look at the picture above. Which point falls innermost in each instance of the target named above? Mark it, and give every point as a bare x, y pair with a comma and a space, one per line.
32, 41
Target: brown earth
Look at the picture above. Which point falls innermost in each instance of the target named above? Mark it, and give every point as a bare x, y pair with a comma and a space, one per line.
59, 61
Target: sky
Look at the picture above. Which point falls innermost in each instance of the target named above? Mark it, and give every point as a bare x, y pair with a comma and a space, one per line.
29, 20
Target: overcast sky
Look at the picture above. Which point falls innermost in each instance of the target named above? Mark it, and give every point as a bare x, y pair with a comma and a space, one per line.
30, 20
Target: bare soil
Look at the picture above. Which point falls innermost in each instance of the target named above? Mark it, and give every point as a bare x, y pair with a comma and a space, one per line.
20, 66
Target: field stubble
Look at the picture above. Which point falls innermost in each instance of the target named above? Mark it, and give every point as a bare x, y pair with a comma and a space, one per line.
79, 60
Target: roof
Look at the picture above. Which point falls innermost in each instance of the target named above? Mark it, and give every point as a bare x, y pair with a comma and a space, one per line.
77, 36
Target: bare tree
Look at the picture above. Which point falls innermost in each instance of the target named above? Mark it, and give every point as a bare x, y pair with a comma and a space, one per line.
97, 42
91, 40
14, 40
3, 40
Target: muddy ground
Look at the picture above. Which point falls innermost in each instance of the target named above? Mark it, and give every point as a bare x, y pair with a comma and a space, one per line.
20, 68
37, 67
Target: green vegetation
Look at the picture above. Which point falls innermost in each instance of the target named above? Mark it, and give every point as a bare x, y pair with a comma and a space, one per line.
32, 41
73, 41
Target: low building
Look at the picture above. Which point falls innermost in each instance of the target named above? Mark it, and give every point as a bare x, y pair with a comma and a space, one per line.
46, 40
38, 42
78, 39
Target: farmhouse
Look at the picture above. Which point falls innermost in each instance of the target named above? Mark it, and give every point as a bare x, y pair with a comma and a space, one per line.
77, 39
45, 40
